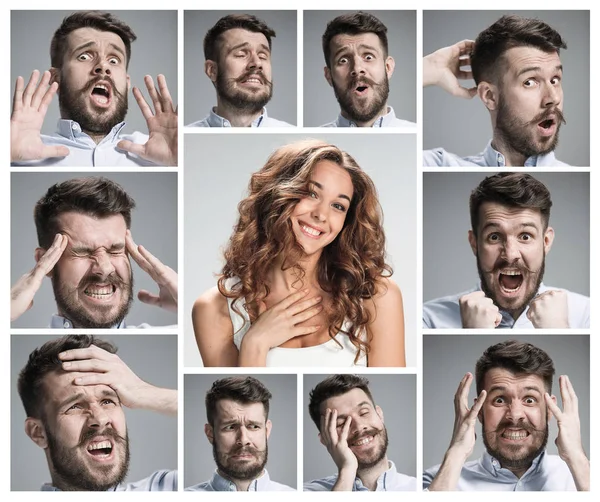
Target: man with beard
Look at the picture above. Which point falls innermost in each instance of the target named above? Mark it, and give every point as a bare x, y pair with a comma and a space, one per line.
351, 428
513, 404
90, 53
237, 52
73, 390
510, 238
84, 247
518, 75
358, 68
237, 411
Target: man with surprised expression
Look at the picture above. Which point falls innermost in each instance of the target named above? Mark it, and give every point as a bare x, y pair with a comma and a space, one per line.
90, 55
238, 428
84, 247
237, 51
518, 74
358, 68
351, 428
510, 238
514, 405
73, 390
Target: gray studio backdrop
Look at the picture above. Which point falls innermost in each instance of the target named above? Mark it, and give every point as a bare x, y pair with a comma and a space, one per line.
200, 94
449, 265
396, 395
198, 455
447, 358
153, 224
154, 52
320, 105
152, 436
463, 126
217, 172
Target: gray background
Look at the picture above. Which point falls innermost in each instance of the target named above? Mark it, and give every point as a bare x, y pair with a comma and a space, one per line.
449, 265
464, 127
396, 395
153, 224
154, 52
447, 358
198, 456
320, 105
200, 94
152, 436
219, 167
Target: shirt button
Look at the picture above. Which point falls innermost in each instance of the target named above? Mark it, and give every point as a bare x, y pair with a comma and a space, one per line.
67, 324
76, 128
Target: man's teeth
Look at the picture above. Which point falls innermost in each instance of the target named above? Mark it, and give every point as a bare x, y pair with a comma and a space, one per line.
514, 434
365, 440
311, 231
510, 272
99, 292
100, 446
253, 80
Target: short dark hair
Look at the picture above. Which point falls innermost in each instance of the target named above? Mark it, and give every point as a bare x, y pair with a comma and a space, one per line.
333, 386
229, 22
243, 390
506, 33
354, 24
102, 21
93, 196
512, 190
44, 360
518, 358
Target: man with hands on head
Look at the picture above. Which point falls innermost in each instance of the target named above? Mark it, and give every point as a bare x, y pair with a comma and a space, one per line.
510, 237
85, 245
90, 53
513, 404
351, 428
516, 66
73, 389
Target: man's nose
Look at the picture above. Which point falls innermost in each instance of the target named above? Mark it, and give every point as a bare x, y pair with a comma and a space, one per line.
98, 416
102, 264
242, 436
254, 61
515, 411
102, 68
552, 95
511, 250
358, 67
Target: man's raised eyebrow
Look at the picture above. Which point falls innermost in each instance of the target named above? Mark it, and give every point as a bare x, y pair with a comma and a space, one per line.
493, 224
558, 68
91, 43
320, 187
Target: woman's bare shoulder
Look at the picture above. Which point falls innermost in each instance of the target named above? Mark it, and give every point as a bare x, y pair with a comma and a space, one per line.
211, 305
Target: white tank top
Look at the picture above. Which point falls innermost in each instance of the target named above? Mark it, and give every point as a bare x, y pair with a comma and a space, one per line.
330, 353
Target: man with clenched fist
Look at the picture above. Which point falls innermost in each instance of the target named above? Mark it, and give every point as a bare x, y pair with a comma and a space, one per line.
510, 237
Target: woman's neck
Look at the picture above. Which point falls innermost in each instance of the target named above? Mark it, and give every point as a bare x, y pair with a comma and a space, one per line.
291, 279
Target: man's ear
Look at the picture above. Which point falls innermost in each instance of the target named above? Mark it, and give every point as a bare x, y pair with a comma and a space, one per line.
380, 413
390, 64
36, 431
548, 239
327, 73
269, 426
211, 69
129, 83
54, 75
488, 93
473, 242
208, 430
550, 414
480, 414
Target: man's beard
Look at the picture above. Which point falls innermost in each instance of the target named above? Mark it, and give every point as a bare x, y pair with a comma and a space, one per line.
74, 105
70, 473
367, 110
378, 455
510, 460
71, 308
245, 101
518, 135
514, 310
245, 470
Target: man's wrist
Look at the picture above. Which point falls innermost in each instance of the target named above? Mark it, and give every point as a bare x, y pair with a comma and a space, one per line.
345, 480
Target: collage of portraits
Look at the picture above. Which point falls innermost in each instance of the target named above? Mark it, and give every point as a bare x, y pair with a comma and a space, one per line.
286, 247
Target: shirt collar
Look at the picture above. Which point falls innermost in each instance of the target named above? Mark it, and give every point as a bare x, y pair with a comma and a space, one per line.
382, 480
72, 130
215, 120
47, 487
491, 465
382, 121
59, 322
493, 158
221, 484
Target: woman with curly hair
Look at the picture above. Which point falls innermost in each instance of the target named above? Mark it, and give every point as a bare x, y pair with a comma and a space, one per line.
305, 282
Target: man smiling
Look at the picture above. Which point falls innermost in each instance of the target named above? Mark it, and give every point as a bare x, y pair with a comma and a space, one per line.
510, 237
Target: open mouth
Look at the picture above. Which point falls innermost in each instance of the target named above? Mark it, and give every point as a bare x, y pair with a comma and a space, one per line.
99, 292
100, 450
361, 89
101, 94
547, 127
515, 434
310, 231
510, 281
252, 80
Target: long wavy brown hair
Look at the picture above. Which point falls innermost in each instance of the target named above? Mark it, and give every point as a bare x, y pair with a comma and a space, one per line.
349, 268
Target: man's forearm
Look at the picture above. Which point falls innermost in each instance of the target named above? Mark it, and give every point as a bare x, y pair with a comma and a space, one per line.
580, 470
345, 481
447, 477
161, 400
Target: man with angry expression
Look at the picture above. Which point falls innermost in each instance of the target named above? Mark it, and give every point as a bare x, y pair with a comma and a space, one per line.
510, 237
73, 390
352, 429
238, 428
513, 404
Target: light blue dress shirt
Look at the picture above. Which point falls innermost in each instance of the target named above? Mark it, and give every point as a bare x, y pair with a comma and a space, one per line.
390, 481
547, 473
388, 120
160, 481
59, 322
84, 152
214, 120
219, 484
488, 158
443, 313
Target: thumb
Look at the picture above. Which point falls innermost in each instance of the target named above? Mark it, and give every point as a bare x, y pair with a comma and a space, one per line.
131, 147
55, 151
498, 319
148, 298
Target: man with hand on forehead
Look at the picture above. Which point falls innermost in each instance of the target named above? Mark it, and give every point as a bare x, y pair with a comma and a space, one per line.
351, 428
90, 53
510, 237
85, 245
514, 405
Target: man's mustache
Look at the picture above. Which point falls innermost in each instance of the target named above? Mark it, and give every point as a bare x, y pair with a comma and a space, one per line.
545, 115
